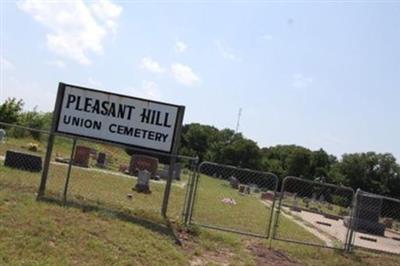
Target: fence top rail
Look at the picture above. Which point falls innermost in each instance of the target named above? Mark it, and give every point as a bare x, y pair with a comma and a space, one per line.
373, 195
183, 157
318, 183
235, 168
24, 127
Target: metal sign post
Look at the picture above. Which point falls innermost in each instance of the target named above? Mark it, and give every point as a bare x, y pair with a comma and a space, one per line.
50, 142
175, 148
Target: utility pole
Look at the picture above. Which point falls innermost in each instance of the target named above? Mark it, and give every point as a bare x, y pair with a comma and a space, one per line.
238, 120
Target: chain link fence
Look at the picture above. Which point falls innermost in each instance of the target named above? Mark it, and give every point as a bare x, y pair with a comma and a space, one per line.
376, 222
233, 199
95, 175
313, 213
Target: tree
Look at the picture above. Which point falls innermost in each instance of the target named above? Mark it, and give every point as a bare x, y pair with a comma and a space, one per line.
196, 139
10, 110
377, 173
36, 120
320, 163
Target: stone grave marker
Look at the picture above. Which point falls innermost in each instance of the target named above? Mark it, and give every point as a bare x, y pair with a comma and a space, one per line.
102, 160
2, 135
82, 156
143, 181
143, 162
233, 182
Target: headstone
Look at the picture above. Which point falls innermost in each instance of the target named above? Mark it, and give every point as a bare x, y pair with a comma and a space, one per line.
143, 181
314, 196
321, 198
388, 222
2, 135
234, 182
244, 189
176, 174
367, 213
177, 171
102, 160
82, 156
267, 195
23, 161
295, 205
143, 162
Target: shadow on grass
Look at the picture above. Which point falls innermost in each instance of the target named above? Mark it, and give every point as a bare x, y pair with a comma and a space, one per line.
163, 227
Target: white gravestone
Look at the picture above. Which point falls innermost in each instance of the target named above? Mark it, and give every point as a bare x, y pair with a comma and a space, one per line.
2, 135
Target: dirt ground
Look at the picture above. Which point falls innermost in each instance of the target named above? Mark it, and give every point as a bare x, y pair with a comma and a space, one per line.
266, 256
224, 256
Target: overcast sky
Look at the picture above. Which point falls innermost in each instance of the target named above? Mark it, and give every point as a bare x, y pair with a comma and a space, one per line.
313, 74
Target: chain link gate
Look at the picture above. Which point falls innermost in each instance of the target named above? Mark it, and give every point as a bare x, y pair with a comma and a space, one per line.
316, 213
232, 199
376, 223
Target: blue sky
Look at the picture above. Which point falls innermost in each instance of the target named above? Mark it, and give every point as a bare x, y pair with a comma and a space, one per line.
313, 74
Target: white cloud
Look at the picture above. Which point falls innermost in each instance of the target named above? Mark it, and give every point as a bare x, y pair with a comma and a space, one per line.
226, 52
148, 90
184, 74
301, 81
6, 64
56, 63
75, 28
181, 46
107, 12
151, 65
267, 37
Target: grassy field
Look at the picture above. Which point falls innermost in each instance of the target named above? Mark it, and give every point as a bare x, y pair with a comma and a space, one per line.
101, 225
47, 233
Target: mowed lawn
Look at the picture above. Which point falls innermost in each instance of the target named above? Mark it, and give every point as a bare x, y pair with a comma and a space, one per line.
104, 227
100, 225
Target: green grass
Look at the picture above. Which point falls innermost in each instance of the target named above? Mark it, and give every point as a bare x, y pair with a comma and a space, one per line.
100, 225
122, 232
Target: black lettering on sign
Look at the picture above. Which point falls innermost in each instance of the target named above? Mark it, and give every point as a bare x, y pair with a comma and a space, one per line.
96, 106
154, 117
81, 122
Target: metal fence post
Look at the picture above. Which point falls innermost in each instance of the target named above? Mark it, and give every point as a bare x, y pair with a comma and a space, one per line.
195, 185
271, 218
353, 217
167, 190
69, 170
278, 209
191, 190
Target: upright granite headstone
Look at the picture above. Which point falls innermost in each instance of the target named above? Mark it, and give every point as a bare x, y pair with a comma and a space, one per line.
82, 156
143, 181
234, 182
102, 160
367, 213
143, 162
177, 171
176, 174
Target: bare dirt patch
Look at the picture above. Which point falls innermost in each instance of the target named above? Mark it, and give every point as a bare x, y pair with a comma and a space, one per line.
189, 243
266, 256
